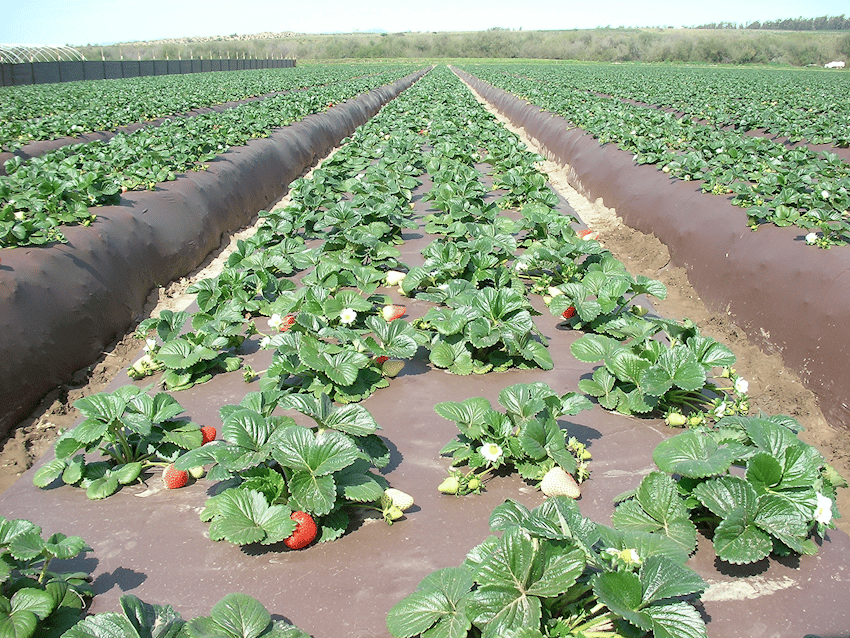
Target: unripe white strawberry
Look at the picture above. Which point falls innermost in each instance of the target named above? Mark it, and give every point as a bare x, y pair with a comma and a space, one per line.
391, 368
557, 482
400, 500
451, 485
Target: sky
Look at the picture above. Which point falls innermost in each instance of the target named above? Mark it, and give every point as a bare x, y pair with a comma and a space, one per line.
81, 22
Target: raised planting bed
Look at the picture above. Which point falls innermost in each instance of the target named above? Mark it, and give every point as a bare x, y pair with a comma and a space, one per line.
62, 305
479, 324
787, 296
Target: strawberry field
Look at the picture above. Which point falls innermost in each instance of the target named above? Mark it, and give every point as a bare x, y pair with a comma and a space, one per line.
424, 353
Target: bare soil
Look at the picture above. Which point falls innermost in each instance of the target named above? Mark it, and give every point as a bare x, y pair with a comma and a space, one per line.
773, 388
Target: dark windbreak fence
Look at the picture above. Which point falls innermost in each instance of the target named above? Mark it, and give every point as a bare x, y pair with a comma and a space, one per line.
76, 70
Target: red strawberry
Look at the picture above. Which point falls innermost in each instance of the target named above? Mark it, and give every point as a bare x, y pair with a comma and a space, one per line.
391, 312
380, 360
174, 478
287, 322
584, 232
305, 531
208, 433
570, 312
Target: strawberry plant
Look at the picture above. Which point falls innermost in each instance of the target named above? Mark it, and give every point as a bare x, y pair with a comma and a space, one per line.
784, 494
554, 573
526, 437
236, 615
337, 364
599, 290
484, 330
280, 468
189, 358
35, 601
645, 375
525, 185
129, 430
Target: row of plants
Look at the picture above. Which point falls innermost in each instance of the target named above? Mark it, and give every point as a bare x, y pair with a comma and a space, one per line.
40, 195
774, 183
315, 274
803, 105
48, 111
553, 573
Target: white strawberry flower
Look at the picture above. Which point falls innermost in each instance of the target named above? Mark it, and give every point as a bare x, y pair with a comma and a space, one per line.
741, 386
811, 238
823, 509
19, 215
720, 410
347, 316
491, 452
150, 344
275, 321
824, 194
265, 341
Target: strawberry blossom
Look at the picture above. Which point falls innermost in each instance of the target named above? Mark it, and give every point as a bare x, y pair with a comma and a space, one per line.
347, 316
823, 509
491, 452
741, 386
275, 321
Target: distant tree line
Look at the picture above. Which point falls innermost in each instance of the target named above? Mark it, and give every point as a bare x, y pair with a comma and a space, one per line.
823, 23
657, 44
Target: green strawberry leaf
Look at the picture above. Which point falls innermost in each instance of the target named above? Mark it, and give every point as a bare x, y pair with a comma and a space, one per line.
622, 593
65, 547
36, 601
675, 367
763, 471
726, 494
352, 419
244, 517
710, 353
695, 455
49, 472
314, 494
675, 620
464, 413
629, 367
663, 578
437, 608
151, 620
318, 454
512, 580
657, 507
356, 484
738, 540
102, 625
508, 514
333, 525
240, 616
102, 487
592, 348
